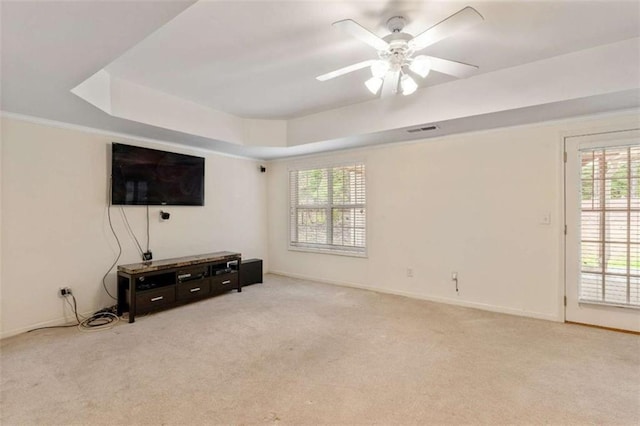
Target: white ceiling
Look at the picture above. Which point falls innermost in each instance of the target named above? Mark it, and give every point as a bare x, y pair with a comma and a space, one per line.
259, 59
222, 54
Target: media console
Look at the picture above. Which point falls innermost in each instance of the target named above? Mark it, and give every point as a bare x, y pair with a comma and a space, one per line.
149, 286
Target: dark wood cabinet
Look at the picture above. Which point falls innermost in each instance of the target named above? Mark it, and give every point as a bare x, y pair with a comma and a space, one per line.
193, 289
149, 286
251, 271
151, 300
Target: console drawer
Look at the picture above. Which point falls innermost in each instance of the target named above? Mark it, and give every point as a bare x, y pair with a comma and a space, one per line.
224, 282
193, 289
154, 299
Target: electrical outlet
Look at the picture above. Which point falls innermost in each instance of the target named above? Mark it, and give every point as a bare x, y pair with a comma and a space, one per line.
64, 291
454, 276
410, 272
545, 218
147, 255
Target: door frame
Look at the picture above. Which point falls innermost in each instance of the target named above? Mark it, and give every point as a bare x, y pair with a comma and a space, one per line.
607, 132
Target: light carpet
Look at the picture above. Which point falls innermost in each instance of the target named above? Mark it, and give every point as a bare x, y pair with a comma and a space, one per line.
298, 352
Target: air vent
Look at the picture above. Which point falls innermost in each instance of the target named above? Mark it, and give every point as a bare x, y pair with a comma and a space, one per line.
422, 129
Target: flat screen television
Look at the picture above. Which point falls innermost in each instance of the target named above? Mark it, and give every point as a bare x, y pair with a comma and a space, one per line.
142, 176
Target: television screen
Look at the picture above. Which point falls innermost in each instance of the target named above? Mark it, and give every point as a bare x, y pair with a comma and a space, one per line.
142, 176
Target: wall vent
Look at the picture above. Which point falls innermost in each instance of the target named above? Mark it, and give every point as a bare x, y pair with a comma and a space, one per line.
422, 129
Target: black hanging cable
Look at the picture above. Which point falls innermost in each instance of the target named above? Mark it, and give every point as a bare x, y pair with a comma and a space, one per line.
130, 230
147, 227
113, 231
74, 307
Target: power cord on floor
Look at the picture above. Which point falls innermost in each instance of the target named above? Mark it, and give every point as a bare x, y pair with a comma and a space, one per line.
103, 319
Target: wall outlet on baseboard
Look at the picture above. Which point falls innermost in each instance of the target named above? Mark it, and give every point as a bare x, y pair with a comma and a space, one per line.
64, 291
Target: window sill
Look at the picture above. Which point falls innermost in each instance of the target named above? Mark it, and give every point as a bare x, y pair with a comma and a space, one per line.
329, 251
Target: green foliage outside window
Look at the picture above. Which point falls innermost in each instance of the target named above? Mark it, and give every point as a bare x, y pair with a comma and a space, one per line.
330, 207
620, 183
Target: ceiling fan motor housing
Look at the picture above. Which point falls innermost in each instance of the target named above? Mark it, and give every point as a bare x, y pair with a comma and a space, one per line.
395, 24
399, 51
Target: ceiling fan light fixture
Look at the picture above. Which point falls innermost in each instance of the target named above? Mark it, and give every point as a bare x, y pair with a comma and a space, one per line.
395, 64
421, 65
408, 85
374, 84
379, 69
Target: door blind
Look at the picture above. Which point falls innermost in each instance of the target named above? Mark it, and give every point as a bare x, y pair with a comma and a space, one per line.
610, 226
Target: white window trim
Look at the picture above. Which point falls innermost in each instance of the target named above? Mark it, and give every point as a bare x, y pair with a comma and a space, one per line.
325, 248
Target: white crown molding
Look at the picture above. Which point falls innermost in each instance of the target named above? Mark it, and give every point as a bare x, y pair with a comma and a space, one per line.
560, 121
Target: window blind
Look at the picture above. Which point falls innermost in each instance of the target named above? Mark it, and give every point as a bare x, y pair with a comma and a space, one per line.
328, 208
610, 226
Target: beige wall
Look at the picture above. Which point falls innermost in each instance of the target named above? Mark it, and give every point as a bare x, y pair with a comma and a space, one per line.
55, 230
471, 203
1, 186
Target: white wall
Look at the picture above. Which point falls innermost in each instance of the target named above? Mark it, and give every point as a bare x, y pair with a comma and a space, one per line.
470, 203
54, 220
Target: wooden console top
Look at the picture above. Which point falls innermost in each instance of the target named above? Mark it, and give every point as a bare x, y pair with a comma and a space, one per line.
176, 262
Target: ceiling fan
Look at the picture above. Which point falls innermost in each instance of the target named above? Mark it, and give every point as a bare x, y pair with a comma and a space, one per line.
395, 52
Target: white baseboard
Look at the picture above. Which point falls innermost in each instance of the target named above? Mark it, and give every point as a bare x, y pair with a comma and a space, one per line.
449, 301
51, 323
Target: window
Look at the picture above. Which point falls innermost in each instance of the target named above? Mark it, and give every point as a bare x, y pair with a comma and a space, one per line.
610, 226
328, 209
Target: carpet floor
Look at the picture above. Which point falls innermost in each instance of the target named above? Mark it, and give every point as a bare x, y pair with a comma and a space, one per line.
299, 352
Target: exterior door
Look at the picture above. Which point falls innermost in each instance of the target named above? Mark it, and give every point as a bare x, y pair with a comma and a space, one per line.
602, 210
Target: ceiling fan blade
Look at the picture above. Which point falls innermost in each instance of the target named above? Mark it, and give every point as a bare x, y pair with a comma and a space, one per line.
345, 70
390, 85
456, 69
457, 22
358, 31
